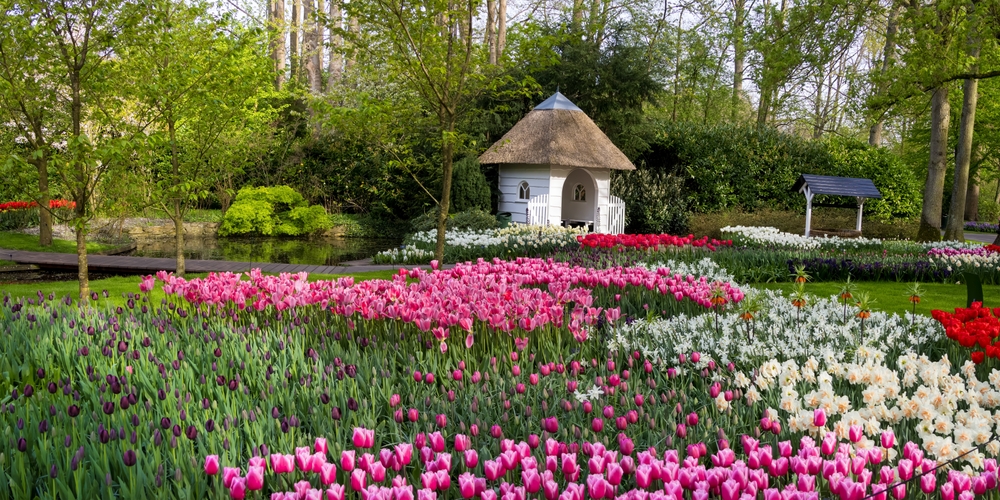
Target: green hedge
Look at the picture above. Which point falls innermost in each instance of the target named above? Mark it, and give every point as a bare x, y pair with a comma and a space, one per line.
748, 168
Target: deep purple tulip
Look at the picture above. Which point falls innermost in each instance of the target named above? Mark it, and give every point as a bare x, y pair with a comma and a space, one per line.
129, 458
22, 445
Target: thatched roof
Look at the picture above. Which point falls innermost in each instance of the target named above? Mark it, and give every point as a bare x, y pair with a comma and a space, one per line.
557, 132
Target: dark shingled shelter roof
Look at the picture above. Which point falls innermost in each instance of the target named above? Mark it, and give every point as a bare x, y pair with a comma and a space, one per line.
837, 186
557, 132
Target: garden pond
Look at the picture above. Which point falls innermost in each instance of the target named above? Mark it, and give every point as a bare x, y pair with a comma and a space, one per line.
317, 251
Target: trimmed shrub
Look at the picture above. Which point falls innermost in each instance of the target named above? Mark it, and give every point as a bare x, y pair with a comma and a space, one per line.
469, 188
899, 185
248, 217
278, 210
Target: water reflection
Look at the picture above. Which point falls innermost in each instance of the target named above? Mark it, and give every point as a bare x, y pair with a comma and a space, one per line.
315, 252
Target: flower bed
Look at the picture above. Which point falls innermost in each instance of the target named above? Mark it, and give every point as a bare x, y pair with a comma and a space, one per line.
158, 399
461, 245
649, 241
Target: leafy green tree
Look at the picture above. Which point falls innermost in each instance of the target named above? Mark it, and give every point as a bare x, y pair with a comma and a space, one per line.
193, 74
431, 47
26, 103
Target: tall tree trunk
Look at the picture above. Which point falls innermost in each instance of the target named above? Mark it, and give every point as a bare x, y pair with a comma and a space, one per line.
82, 274
972, 195
888, 53
309, 47
336, 63
44, 213
491, 25
293, 35
677, 64
354, 29
739, 55
80, 192
501, 29
937, 167
577, 15
963, 156
276, 17
318, 37
447, 150
177, 215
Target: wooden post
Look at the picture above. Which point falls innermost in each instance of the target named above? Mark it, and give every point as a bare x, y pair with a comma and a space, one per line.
809, 207
861, 206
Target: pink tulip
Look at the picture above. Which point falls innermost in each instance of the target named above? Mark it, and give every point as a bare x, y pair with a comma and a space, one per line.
429, 378
436, 441
550, 490
363, 438
428, 480
212, 465
928, 483
730, 490
228, 474
238, 488
855, 433
596, 486
471, 459
692, 419
488, 494
551, 447
335, 492
255, 478
625, 445
377, 471
462, 442
358, 479
347, 460
320, 445
441, 420
681, 431
532, 480
328, 474
496, 431
905, 468
403, 453
493, 469
467, 485
426, 494
695, 357
443, 479
947, 491
819, 417
597, 424
615, 473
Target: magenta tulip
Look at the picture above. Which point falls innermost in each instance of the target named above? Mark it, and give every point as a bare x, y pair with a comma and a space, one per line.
443, 479
532, 480
228, 474
212, 465
255, 478
819, 417
471, 459
551, 424
692, 419
347, 460
320, 445
426, 494
596, 486
597, 424
238, 488
467, 485
436, 441
358, 479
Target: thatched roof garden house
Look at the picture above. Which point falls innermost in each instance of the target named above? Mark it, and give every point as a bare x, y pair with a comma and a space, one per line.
555, 169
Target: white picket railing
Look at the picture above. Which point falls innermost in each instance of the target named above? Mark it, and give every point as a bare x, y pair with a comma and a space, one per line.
537, 213
616, 216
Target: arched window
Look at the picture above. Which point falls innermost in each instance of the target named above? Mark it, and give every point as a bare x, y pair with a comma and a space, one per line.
524, 191
580, 193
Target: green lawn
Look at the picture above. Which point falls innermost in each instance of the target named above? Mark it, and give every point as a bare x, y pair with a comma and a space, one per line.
893, 297
119, 286
28, 242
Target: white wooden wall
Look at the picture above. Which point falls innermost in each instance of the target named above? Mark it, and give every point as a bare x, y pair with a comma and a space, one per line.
511, 176
550, 181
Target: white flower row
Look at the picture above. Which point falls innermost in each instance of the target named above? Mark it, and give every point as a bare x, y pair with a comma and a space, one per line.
778, 329
964, 262
408, 254
706, 267
514, 237
768, 236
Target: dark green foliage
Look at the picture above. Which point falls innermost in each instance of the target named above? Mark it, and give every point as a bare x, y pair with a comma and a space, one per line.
748, 168
474, 220
900, 187
469, 189
278, 210
654, 201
